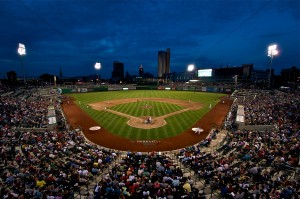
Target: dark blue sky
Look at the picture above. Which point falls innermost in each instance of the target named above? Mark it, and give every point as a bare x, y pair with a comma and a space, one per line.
74, 34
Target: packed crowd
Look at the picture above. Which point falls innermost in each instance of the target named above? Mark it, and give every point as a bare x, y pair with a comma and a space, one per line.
264, 108
146, 176
24, 110
55, 163
49, 163
255, 164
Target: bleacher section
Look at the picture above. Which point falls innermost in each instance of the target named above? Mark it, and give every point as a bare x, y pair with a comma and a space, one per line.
231, 164
241, 98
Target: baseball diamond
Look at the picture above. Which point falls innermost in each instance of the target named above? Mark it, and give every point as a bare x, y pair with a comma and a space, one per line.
124, 125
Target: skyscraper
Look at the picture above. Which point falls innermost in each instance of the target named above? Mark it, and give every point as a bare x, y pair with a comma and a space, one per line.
163, 62
118, 71
141, 71
168, 54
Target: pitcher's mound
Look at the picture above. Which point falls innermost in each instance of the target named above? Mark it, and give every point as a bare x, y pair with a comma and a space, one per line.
143, 122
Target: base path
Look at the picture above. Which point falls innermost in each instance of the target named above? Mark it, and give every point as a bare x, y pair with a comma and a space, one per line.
213, 119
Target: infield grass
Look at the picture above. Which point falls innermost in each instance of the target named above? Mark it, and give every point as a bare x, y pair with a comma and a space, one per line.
175, 124
146, 107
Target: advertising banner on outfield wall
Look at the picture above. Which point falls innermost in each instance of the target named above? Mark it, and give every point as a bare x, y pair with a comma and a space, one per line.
192, 88
209, 89
203, 89
98, 89
82, 90
228, 90
115, 89
66, 90
212, 89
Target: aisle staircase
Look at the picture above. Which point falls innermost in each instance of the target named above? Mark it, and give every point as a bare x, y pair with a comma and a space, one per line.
89, 187
200, 183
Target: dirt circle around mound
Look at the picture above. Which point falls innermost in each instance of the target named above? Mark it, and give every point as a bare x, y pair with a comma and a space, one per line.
143, 122
78, 118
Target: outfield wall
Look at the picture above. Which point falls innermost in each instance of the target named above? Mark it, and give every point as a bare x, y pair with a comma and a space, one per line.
131, 87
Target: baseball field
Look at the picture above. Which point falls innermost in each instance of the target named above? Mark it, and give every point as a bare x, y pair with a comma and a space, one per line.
145, 120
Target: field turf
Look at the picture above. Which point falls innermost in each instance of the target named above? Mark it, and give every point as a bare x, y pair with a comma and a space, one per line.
175, 124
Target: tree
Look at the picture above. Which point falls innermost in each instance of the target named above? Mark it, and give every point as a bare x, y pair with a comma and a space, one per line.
47, 78
12, 78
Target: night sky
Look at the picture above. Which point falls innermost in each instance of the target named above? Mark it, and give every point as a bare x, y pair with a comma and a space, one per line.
74, 34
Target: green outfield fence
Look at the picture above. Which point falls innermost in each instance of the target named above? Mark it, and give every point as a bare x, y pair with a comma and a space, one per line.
150, 87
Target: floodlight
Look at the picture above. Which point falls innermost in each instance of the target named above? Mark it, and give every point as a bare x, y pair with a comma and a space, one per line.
22, 49
272, 50
191, 67
272, 47
98, 65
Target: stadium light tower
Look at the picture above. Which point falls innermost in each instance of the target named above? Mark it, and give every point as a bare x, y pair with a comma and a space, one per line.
272, 51
98, 67
21, 52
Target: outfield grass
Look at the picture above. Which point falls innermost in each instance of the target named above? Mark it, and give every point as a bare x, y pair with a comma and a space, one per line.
175, 124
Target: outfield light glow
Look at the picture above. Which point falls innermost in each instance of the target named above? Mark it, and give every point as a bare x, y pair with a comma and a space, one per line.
98, 65
21, 49
272, 50
191, 67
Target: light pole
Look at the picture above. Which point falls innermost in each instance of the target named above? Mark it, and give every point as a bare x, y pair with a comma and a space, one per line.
272, 51
21, 52
191, 69
235, 77
98, 67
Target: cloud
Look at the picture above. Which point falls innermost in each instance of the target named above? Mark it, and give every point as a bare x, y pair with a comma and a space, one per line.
77, 33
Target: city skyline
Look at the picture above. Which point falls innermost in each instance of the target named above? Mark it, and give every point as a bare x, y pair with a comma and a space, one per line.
74, 35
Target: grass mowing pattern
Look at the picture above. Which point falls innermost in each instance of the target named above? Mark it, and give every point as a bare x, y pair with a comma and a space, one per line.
176, 123
147, 107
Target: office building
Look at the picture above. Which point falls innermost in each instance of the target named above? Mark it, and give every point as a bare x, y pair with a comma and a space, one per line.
118, 71
163, 63
141, 71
